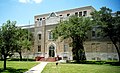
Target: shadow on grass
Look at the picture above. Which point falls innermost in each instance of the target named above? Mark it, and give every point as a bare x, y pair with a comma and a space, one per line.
12, 70
95, 62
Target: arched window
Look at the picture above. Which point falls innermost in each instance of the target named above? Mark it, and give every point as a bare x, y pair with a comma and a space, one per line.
52, 14
50, 35
39, 36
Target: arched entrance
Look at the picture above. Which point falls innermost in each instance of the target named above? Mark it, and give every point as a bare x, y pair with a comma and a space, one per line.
51, 51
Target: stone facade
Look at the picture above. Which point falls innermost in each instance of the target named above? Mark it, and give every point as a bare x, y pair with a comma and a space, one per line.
95, 46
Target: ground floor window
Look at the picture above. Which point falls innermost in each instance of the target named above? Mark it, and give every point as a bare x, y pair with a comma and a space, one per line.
39, 48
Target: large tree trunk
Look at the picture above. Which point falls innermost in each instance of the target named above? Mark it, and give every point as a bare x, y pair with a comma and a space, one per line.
20, 56
115, 44
78, 49
117, 51
4, 62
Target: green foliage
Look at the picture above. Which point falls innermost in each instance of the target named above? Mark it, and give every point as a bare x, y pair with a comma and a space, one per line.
23, 41
13, 39
74, 28
109, 24
7, 35
23, 59
7, 41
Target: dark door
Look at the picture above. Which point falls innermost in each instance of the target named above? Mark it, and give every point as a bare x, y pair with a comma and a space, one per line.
51, 51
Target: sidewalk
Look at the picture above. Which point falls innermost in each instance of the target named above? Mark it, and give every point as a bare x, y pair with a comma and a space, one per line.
38, 68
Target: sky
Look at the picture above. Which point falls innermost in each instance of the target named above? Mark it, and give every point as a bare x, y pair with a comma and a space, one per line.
23, 11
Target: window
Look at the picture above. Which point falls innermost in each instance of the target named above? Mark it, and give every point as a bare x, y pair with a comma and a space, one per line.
60, 15
93, 58
84, 13
39, 36
44, 18
80, 14
93, 32
50, 35
52, 14
39, 48
98, 58
65, 58
68, 14
65, 48
40, 19
37, 19
96, 32
76, 13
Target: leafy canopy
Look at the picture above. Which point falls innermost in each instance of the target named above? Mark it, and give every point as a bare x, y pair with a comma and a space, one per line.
72, 27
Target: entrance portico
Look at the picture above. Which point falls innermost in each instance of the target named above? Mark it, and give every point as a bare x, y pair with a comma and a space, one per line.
51, 50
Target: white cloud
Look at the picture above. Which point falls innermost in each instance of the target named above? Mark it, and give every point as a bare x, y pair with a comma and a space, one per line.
30, 1
24, 1
37, 1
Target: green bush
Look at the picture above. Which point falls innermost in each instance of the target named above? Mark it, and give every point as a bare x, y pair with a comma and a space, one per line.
88, 62
100, 62
17, 59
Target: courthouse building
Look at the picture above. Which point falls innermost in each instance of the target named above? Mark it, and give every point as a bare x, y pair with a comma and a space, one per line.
96, 47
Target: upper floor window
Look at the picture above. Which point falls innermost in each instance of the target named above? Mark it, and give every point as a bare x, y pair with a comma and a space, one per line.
68, 14
65, 48
80, 14
52, 14
96, 32
37, 19
76, 13
39, 36
60, 15
93, 32
50, 35
44, 18
84, 13
39, 48
40, 19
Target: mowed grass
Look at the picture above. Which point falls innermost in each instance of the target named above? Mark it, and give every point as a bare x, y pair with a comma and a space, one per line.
17, 66
80, 68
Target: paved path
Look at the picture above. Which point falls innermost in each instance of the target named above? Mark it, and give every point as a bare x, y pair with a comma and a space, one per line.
38, 68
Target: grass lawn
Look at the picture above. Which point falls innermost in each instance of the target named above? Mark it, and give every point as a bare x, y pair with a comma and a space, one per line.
80, 68
17, 66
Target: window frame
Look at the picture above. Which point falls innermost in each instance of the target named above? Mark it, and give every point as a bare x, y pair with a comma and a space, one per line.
84, 13
76, 13
39, 36
39, 48
50, 35
80, 13
65, 48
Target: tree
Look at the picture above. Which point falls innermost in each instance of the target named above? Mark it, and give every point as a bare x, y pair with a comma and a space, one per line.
23, 40
74, 28
109, 24
7, 35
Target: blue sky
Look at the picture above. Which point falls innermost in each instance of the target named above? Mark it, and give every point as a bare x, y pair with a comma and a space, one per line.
24, 11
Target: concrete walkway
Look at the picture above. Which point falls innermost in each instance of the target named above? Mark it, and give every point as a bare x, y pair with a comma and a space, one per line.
38, 68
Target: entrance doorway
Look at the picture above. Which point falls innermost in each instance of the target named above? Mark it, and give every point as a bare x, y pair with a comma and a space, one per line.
51, 51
